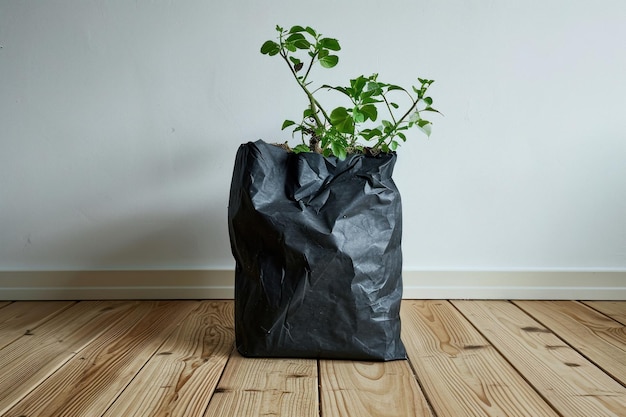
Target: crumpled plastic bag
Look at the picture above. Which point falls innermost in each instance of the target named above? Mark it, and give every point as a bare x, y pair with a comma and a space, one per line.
317, 246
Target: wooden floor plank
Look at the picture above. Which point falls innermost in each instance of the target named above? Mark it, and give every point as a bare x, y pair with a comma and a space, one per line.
180, 379
16, 319
89, 382
460, 372
614, 309
158, 359
571, 383
370, 389
255, 387
599, 338
4, 303
33, 357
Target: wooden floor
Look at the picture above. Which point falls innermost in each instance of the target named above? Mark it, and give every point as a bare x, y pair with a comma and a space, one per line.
176, 358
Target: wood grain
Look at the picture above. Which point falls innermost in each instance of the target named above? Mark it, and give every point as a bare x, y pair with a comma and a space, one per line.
614, 309
460, 372
571, 383
180, 379
370, 389
35, 356
176, 358
599, 338
254, 387
91, 380
17, 319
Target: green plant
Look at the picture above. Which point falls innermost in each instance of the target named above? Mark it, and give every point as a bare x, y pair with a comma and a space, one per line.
339, 131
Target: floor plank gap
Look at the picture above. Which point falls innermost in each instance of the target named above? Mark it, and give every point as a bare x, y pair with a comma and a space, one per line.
478, 358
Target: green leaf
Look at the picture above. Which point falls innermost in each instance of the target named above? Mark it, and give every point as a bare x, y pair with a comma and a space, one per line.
402, 136
428, 101
287, 123
388, 127
358, 116
301, 148
392, 87
358, 84
374, 88
338, 150
295, 29
370, 111
393, 145
298, 40
297, 64
329, 61
340, 89
425, 126
330, 43
342, 120
270, 48
369, 134
366, 99
311, 31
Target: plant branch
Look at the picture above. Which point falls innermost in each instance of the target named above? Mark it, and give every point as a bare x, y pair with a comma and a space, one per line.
395, 126
389, 108
336, 133
306, 75
312, 102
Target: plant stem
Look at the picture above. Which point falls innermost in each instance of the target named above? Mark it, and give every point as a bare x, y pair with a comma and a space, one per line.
389, 108
313, 103
306, 75
395, 126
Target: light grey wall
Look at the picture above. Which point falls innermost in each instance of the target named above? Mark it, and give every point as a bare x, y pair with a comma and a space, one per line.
119, 122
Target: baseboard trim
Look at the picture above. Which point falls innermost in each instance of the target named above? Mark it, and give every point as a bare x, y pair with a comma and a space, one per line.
516, 285
218, 284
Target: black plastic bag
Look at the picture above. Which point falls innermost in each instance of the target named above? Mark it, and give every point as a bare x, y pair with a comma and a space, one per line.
318, 259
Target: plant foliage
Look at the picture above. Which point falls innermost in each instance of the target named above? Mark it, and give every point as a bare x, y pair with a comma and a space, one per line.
373, 121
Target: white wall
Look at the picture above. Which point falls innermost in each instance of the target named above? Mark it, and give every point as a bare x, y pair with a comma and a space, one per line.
119, 122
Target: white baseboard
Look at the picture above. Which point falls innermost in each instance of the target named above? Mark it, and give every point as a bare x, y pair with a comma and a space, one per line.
218, 284
516, 285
